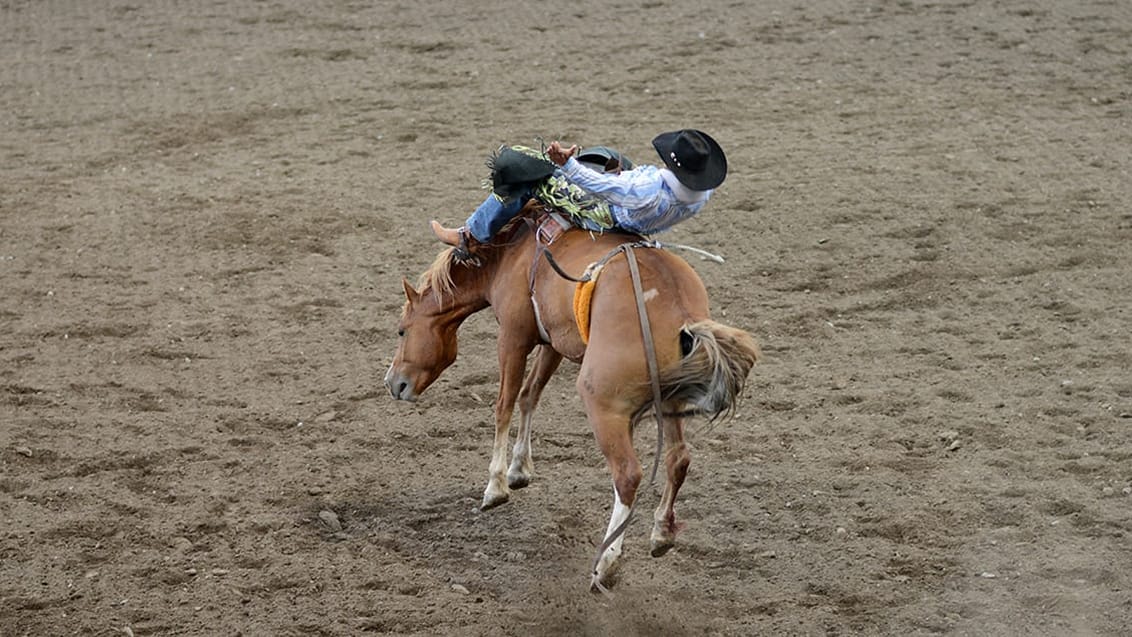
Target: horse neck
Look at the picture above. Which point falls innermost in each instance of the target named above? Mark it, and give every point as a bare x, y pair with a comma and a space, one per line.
472, 286
467, 295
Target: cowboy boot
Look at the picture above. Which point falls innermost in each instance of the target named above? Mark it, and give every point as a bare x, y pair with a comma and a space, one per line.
451, 236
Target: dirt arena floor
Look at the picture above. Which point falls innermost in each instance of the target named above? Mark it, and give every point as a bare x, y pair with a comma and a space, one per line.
206, 210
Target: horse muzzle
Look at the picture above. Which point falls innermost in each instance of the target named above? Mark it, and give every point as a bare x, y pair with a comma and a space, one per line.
399, 386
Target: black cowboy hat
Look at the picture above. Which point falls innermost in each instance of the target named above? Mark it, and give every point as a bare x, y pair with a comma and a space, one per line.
693, 156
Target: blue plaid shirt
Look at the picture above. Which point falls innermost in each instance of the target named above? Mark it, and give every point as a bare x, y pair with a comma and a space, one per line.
645, 200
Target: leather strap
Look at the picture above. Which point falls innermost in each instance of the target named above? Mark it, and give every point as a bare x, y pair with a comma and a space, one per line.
654, 378
650, 356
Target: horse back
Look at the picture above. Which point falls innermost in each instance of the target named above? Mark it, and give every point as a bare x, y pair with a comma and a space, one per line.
672, 292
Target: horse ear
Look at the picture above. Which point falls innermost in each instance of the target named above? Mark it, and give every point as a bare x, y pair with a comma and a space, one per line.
410, 293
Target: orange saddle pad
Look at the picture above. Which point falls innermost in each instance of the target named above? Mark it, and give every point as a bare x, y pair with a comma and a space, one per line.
583, 297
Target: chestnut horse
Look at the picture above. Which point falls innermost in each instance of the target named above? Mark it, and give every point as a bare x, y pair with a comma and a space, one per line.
703, 365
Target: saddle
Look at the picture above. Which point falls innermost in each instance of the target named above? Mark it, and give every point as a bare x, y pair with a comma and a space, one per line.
548, 224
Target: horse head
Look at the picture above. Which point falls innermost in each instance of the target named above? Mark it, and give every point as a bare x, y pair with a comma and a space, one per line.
426, 348
448, 293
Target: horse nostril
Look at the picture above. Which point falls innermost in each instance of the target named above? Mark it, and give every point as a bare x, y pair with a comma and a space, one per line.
400, 389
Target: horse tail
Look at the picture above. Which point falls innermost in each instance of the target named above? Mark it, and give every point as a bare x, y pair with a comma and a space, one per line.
712, 373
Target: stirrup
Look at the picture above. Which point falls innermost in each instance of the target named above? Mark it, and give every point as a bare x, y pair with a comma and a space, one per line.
462, 253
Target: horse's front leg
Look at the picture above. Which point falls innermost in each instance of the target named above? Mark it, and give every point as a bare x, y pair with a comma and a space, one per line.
522, 466
676, 462
512, 362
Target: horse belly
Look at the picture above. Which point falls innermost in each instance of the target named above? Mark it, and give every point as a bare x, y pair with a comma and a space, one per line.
556, 313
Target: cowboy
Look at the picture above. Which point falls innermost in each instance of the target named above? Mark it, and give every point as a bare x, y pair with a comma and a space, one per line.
643, 200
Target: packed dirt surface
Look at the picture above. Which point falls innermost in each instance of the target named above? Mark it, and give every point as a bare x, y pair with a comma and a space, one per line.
207, 210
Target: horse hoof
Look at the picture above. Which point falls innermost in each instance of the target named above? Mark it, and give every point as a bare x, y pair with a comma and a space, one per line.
605, 572
602, 582
597, 587
518, 480
492, 500
660, 547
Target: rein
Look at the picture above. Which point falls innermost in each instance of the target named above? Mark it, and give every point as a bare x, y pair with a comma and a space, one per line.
588, 274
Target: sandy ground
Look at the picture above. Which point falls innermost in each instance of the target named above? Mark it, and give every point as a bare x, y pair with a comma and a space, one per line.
207, 209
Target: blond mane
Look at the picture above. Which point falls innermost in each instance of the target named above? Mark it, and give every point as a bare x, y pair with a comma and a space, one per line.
438, 277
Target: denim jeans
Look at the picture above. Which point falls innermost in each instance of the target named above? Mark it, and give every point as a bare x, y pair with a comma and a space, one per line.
493, 214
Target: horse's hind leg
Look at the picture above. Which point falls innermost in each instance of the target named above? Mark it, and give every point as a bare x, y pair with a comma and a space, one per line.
616, 442
676, 462
546, 363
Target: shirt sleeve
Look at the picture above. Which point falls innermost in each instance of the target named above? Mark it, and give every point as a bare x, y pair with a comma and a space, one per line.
632, 190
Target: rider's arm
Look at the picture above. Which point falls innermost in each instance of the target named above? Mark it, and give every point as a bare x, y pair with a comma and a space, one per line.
632, 190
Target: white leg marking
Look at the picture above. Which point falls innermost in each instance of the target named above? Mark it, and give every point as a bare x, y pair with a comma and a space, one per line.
620, 512
497, 491
521, 463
